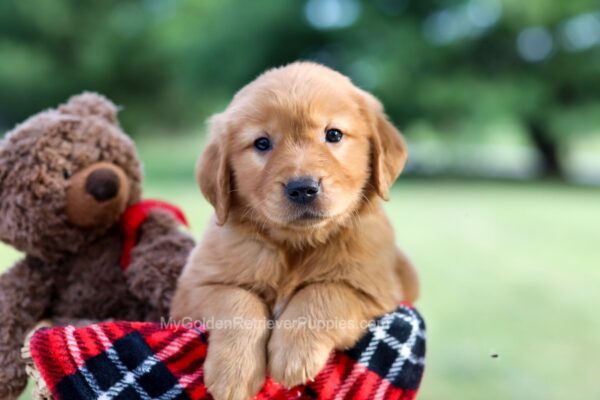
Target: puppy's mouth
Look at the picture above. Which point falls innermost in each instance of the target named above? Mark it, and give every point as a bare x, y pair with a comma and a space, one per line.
308, 217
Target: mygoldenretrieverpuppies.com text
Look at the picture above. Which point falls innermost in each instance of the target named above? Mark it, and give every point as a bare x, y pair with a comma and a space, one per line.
240, 323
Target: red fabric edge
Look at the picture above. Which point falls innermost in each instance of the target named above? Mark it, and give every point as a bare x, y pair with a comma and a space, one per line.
133, 218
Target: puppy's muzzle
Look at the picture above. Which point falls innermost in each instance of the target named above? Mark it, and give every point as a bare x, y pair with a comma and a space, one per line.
303, 190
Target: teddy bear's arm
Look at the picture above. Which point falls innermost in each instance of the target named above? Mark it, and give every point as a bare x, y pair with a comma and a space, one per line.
25, 293
157, 260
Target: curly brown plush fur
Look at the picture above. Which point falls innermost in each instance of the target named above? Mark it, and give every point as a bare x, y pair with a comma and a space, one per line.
71, 269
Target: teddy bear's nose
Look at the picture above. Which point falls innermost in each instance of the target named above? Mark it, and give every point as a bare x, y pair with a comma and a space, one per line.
103, 184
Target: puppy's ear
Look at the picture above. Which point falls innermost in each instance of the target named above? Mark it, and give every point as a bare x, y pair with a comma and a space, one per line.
213, 172
388, 148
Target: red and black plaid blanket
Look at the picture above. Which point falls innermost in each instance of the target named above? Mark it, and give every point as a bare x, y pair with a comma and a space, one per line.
135, 360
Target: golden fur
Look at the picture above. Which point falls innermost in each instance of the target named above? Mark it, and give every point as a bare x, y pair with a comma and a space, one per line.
260, 261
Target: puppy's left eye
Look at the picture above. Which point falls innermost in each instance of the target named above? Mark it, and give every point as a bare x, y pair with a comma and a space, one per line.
66, 173
333, 135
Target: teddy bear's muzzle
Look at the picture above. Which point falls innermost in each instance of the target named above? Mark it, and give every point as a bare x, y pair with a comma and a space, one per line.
97, 195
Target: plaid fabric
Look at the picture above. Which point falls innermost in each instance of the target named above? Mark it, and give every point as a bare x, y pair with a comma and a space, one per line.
130, 360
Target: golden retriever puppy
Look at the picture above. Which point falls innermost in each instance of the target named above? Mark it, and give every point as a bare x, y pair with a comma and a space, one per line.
295, 169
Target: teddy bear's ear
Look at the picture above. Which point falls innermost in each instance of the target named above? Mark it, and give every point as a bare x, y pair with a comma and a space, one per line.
89, 103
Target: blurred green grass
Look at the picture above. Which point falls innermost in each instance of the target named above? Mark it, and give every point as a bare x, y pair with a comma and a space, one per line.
506, 268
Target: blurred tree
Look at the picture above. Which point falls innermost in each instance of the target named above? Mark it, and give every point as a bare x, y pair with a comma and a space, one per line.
462, 65
457, 66
171, 62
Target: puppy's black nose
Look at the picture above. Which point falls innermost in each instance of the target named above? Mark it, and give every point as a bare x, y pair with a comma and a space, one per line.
103, 184
302, 190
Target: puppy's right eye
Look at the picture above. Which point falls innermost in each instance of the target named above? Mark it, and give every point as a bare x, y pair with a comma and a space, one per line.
262, 144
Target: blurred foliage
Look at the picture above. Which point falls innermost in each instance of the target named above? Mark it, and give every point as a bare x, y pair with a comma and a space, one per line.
170, 62
457, 66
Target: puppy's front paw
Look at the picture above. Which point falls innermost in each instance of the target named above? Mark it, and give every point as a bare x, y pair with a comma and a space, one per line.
294, 361
230, 376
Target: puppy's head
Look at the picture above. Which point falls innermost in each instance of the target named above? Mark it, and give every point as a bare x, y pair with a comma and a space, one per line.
299, 148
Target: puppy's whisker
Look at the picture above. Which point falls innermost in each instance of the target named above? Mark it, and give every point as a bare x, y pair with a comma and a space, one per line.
252, 209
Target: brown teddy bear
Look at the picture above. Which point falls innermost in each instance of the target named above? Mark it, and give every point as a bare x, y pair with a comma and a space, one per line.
70, 187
